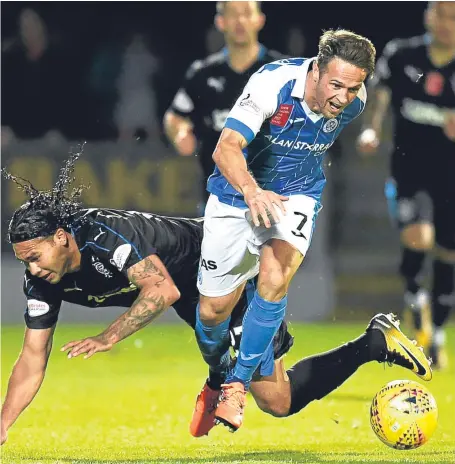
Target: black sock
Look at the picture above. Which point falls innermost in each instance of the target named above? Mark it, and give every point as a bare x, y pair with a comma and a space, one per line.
442, 292
215, 380
314, 377
410, 268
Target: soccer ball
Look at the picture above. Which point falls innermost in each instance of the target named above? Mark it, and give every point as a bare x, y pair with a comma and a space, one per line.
403, 414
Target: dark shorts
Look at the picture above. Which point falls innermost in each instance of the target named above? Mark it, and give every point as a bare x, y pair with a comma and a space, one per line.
422, 192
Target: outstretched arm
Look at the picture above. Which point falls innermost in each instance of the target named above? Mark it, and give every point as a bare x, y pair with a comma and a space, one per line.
27, 376
157, 292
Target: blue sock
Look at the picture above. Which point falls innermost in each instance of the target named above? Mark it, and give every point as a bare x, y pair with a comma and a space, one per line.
214, 344
260, 324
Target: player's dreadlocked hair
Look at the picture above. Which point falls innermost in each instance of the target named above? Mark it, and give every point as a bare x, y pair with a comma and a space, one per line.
46, 210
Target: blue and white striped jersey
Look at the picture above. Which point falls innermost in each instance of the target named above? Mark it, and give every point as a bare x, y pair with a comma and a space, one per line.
286, 140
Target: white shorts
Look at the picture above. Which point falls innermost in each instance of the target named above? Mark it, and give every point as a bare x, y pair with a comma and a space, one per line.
232, 243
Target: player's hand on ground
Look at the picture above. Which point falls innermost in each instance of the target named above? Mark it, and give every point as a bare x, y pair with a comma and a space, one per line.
88, 346
185, 142
262, 205
449, 125
368, 142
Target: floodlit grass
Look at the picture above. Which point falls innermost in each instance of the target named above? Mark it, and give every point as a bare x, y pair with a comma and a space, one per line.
133, 405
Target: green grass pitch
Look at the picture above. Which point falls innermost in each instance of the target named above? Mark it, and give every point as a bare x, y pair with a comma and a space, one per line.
133, 405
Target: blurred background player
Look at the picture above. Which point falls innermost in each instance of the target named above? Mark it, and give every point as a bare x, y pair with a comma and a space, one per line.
416, 77
198, 112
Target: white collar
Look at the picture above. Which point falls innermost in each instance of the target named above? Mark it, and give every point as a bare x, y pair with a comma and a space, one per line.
299, 89
299, 86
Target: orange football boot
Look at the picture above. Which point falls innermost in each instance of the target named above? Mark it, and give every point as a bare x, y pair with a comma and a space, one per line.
231, 405
203, 419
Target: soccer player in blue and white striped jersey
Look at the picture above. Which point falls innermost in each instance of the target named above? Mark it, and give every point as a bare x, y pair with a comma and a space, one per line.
265, 196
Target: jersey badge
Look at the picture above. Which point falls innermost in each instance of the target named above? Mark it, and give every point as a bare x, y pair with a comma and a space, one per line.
434, 83
99, 266
330, 125
282, 115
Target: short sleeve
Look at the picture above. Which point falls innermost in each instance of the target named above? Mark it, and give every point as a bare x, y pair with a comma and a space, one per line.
43, 303
185, 98
122, 240
257, 103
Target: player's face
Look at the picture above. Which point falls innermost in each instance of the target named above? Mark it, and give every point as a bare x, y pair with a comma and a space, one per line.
441, 23
337, 86
47, 258
240, 22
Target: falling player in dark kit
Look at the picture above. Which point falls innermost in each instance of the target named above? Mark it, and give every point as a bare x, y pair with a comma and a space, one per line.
103, 257
416, 77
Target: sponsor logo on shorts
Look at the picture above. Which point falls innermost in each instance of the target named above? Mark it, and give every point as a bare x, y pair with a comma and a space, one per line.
209, 265
37, 308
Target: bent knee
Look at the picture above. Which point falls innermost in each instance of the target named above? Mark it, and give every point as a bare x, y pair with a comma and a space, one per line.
418, 236
272, 285
216, 309
275, 408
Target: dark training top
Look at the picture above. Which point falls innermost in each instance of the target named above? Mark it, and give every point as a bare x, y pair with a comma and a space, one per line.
421, 95
110, 242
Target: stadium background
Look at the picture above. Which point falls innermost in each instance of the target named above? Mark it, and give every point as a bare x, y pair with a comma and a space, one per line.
80, 91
